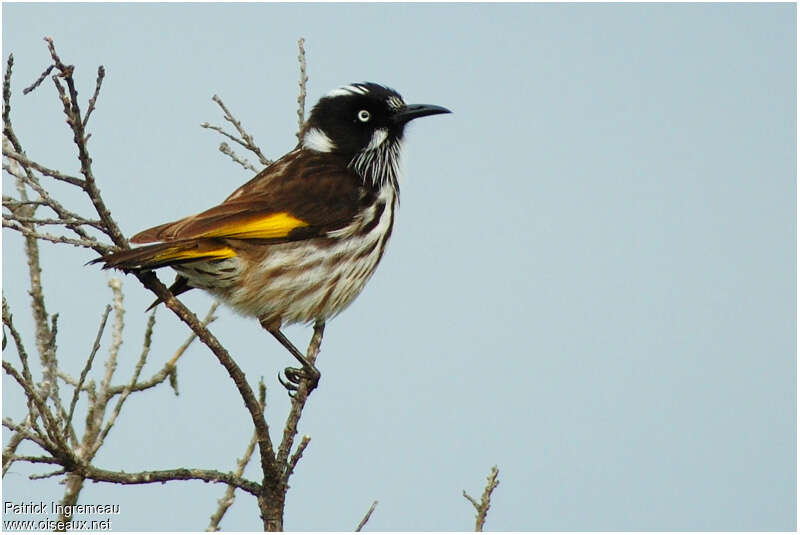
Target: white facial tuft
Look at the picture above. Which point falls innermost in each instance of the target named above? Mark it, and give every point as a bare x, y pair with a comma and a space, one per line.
317, 140
378, 137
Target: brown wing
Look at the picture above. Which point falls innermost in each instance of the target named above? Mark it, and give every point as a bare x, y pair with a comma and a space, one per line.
301, 195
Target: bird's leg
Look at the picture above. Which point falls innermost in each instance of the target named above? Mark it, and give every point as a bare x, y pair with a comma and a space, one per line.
294, 376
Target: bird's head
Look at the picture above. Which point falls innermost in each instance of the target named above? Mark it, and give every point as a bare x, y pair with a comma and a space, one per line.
361, 117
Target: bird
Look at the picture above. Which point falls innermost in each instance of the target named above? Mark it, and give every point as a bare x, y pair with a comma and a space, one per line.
298, 242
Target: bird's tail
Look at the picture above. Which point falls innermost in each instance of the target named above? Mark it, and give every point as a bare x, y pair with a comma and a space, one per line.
166, 254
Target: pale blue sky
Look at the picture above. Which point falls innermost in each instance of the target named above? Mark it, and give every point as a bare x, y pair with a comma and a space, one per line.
591, 282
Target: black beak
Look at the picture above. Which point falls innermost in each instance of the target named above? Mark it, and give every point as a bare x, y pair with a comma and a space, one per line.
414, 111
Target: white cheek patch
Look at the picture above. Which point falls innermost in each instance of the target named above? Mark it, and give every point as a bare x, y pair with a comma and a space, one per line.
378, 137
317, 140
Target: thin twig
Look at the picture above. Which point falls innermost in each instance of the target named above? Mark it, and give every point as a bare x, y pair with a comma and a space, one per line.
246, 141
162, 476
8, 452
101, 73
227, 499
88, 366
36, 459
53, 173
50, 221
116, 332
7, 99
53, 431
222, 131
30, 180
296, 456
48, 474
8, 321
148, 336
50, 373
367, 516
38, 81
88, 243
482, 508
9, 137
169, 367
73, 113
35, 437
226, 149
301, 96
33, 407
13, 204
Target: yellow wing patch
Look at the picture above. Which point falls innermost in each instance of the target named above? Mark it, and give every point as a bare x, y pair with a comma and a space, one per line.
177, 253
271, 226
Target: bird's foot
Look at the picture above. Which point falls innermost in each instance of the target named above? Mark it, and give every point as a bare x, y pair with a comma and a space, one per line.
296, 376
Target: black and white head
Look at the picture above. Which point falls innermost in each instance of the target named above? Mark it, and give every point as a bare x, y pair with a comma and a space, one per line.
365, 123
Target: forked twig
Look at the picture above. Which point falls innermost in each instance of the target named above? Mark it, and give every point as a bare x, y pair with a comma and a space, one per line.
482, 508
245, 141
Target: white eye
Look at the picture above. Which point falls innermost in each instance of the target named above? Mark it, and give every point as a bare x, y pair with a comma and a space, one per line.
363, 116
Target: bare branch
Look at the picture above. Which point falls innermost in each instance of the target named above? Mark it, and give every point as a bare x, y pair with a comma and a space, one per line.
30, 180
169, 367
148, 336
33, 406
8, 452
48, 475
38, 81
101, 73
45, 341
8, 321
88, 243
178, 474
301, 97
220, 130
88, 365
53, 173
73, 113
246, 140
35, 437
53, 432
8, 131
7, 98
116, 332
367, 516
50, 221
224, 148
51, 375
296, 456
140, 478
34, 459
227, 499
482, 508
14, 204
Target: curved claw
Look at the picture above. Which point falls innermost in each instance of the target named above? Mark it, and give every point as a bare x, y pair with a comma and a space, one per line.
288, 384
295, 376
